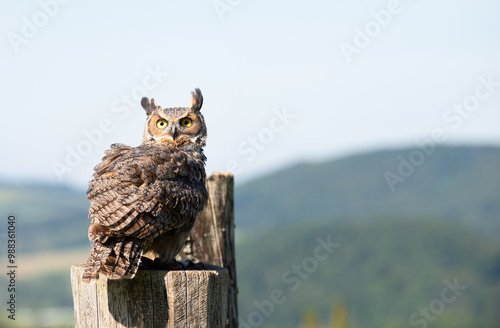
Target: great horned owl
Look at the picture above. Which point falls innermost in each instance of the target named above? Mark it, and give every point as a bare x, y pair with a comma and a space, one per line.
145, 199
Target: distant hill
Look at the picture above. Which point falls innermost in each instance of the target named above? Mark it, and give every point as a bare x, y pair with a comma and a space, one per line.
47, 216
461, 184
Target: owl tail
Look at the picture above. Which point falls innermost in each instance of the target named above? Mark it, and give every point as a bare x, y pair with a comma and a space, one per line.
116, 258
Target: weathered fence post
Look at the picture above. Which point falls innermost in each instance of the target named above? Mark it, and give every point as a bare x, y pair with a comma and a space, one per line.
154, 298
176, 298
212, 237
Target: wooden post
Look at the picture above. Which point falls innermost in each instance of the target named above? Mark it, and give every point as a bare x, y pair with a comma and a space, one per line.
178, 298
153, 298
212, 236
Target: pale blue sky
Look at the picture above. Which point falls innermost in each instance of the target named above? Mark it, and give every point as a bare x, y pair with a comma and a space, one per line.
74, 72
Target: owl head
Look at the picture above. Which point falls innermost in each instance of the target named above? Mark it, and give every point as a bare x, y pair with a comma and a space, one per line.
181, 127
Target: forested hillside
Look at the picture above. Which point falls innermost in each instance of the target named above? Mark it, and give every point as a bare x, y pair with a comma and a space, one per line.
48, 216
380, 272
460, 184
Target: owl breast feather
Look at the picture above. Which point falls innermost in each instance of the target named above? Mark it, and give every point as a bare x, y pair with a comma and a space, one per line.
147, 190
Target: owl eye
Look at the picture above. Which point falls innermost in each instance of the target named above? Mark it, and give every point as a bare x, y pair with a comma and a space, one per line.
161, 124
186, 122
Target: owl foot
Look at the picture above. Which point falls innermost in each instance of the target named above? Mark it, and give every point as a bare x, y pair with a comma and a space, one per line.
165, 264
159, 264
190, 265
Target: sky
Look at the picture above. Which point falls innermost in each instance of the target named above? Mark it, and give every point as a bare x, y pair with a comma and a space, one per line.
284, 82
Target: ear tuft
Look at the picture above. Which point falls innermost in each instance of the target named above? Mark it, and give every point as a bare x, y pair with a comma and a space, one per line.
145, 102
196, 99
148, 105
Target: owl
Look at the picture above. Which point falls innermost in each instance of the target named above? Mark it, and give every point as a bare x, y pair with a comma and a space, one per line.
144, 200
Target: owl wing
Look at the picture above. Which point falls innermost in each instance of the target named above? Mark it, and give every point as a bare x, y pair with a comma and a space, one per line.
143, 191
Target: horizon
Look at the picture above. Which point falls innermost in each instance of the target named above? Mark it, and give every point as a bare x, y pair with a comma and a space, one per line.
6, 181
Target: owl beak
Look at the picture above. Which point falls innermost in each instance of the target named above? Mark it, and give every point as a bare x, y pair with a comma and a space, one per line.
173, 132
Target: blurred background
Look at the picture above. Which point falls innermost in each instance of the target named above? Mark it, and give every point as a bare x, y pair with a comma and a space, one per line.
372, 126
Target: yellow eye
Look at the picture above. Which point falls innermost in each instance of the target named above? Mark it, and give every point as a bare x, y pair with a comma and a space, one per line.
186, 122
161, 124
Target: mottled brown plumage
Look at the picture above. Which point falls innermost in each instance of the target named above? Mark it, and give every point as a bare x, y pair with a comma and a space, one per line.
145, 199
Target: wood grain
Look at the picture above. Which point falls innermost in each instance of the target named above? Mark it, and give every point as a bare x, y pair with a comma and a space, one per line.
154, 298
212, 236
